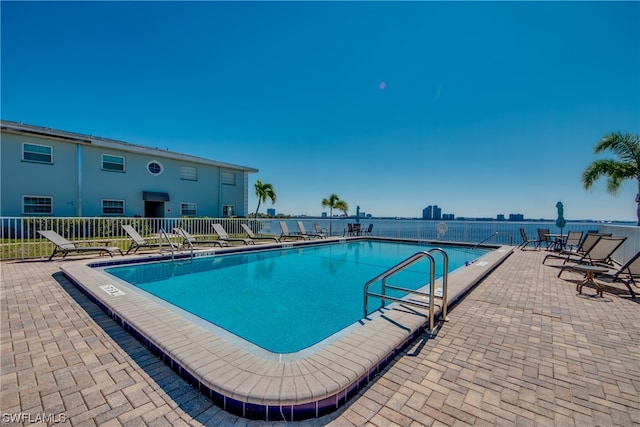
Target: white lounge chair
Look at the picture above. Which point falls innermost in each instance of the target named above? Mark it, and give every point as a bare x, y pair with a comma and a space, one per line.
140, 242
254, 237
303, 232
64, 246
189, 240
222, 234
286, 233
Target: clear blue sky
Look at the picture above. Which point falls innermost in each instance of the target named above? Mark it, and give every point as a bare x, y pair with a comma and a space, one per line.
479, 107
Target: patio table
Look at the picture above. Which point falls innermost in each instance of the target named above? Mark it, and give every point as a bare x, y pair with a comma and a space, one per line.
590, 271
558, 240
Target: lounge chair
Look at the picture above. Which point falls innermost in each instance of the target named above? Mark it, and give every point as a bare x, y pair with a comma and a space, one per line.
64, 246
600, 253
140, 242
627, 274
527, 241
574, 238
368, 231
286, 233
189, 240
576, 254
321, 230
303, 232
254, 237
222, 234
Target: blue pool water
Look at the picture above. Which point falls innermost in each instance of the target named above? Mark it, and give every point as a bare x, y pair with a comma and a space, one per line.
288, 299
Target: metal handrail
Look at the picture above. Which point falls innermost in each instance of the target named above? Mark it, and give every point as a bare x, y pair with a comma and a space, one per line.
166, 236
401, 266
445, 281
185, 238
494, 235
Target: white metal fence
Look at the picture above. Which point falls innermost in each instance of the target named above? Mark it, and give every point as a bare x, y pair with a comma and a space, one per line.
19, 238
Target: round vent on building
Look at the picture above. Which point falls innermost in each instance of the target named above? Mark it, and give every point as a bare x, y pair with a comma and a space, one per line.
154, 168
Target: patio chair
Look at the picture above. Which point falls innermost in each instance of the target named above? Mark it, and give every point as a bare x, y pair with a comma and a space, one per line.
222, 234
303, 232
64, 246
349, 231
527, 241
570, 254
140, 242
600, 253
543, 237
286, 233
254, 237
189, 240
368, 231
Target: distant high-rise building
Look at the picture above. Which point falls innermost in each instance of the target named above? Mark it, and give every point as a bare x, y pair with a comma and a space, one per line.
516, 217
432, 212
271, 212
427, 212
500, 217
448, 217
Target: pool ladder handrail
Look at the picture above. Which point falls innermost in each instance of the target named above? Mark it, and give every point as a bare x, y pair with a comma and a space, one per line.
181, 232
413, 259
166, 236
494, 235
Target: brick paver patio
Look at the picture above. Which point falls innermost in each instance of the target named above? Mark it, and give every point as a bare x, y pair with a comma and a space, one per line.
523, 348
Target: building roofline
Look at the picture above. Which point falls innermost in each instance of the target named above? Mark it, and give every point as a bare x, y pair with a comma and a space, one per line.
26, 129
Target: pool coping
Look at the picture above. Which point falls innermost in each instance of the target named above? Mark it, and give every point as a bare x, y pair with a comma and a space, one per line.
254, 387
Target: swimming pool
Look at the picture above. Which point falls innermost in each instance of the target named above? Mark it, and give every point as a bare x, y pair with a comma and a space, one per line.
284, 300
250, 381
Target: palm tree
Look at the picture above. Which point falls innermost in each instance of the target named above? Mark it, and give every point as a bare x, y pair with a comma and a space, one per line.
342, 206
627, 148
334, 202
263, 192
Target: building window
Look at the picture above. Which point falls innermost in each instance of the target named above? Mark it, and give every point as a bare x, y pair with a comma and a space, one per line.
112, 163
154, 167
189, 173
37, 153
228, 178
112, 207
188, 209
228, 210
38, 205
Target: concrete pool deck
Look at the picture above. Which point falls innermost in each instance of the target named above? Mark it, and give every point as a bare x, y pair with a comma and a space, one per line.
522, 348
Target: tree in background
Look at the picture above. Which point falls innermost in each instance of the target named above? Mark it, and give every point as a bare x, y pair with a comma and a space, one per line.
627, 148
334, 202
263, 192
341, 205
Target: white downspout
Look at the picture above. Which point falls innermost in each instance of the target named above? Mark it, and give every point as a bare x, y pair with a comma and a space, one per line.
79, 180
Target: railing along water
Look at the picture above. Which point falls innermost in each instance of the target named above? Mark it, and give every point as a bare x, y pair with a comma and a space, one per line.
19, 238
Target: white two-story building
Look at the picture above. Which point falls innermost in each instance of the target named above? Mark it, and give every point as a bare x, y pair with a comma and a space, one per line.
47, 172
